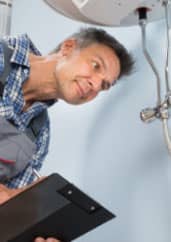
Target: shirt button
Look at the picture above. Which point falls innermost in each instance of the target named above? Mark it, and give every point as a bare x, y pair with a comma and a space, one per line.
26, 71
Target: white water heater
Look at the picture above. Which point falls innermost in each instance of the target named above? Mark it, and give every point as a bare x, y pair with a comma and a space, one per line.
108, 12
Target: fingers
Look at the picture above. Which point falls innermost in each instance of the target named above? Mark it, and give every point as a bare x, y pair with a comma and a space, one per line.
40, 239
6, 193
52, 240
3, 188
3, 197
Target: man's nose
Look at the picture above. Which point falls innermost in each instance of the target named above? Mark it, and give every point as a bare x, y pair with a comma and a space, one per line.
96, 83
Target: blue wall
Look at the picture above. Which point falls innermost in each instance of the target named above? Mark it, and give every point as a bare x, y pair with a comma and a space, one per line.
102, 146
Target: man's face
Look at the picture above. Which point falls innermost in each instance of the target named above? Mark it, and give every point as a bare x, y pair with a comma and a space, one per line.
82, 73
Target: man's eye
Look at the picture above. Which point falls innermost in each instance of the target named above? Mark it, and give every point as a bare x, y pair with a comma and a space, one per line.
95, 65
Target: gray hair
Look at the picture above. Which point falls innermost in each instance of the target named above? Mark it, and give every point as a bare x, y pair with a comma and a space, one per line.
88, 36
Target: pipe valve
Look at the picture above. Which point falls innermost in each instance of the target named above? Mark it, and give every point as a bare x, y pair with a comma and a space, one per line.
147, 115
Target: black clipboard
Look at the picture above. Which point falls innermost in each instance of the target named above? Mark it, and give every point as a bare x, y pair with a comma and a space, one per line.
52, 208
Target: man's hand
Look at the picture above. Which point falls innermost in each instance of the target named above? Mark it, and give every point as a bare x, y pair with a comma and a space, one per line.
6, 194
40, 239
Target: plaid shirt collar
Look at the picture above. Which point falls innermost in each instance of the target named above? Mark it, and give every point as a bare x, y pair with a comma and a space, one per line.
20, 54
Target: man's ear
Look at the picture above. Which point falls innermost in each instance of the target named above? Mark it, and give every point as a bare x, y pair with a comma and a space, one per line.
68, 46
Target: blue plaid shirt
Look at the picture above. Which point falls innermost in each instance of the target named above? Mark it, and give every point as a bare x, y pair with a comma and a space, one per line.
12, 104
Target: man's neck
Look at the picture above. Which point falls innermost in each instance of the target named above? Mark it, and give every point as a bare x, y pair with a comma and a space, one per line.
41, 84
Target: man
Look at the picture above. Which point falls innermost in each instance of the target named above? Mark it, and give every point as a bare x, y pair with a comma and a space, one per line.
82, 66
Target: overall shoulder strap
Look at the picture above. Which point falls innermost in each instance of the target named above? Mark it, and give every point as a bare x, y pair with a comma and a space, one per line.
33, 129
7, 65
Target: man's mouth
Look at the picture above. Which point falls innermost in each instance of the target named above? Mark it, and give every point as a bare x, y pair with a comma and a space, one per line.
80, 90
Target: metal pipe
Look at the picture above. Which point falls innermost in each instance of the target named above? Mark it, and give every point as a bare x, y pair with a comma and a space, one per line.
165, 110
166, 4
162, 107
166, 134
142, 23
5, 17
